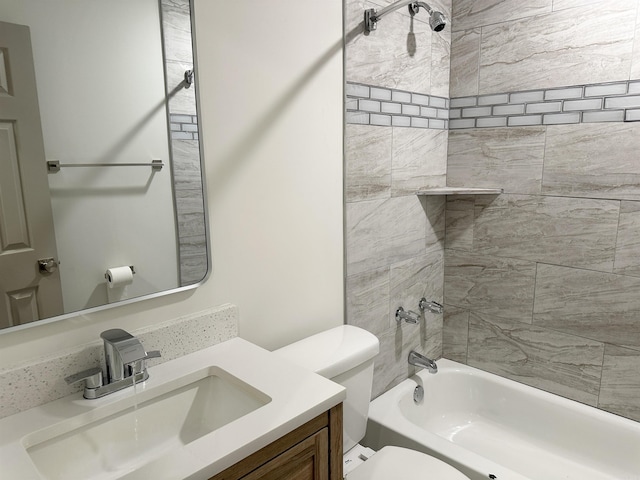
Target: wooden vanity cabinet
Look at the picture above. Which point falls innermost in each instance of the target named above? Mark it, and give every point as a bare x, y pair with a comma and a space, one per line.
311, 452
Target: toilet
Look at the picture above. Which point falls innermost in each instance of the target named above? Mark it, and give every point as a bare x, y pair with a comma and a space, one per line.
345, 355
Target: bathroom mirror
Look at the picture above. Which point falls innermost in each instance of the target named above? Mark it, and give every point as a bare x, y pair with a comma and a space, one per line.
101, 189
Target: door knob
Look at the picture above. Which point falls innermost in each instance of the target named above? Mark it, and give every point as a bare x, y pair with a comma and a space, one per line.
47, 265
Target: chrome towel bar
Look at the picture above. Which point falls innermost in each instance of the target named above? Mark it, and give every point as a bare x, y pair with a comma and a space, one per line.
54, 166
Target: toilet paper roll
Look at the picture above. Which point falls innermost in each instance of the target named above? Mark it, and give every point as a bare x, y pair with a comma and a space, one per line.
119, 276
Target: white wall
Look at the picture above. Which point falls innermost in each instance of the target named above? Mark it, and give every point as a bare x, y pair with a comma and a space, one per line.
93, 112
272, 102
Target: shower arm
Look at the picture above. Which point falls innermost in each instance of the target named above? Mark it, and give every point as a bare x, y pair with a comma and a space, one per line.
371, 16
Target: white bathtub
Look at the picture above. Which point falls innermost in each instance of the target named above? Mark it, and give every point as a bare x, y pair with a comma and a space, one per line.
490, 427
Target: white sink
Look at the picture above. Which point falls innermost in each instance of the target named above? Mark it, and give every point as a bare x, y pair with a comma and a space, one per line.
122, 442
195, 416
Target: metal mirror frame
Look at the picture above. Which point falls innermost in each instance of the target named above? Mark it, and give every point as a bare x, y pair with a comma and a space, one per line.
188, 82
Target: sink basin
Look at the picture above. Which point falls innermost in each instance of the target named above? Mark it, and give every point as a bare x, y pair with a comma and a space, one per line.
193, 417
145, 429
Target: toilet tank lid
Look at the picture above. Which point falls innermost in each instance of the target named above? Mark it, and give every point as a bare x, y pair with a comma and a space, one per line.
333, 351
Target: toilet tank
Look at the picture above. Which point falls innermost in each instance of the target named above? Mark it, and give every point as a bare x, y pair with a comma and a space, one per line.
345, 355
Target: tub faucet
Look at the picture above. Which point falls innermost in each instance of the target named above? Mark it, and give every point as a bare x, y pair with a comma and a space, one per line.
125, 360
431, 305
421, 361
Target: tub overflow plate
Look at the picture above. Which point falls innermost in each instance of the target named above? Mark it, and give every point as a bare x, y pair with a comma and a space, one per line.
418, 394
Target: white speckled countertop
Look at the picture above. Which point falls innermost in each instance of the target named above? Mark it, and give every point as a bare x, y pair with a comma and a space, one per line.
297, 396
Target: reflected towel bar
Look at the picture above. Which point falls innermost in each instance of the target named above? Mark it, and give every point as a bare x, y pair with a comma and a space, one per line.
55, 166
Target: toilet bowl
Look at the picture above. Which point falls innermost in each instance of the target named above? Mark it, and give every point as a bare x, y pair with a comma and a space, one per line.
345, 355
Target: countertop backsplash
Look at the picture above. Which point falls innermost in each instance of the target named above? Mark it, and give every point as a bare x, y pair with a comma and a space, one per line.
38, 382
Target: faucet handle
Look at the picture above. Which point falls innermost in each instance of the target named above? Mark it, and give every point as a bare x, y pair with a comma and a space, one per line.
92, 377
431, 305
153, 354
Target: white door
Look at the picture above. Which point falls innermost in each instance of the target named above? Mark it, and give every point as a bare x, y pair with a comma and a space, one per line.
26, 221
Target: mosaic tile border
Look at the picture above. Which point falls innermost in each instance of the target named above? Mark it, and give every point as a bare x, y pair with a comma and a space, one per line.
594, 103
183, 127
605, 102
388, 107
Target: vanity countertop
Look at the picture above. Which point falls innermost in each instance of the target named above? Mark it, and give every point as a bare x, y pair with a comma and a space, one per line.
293, 395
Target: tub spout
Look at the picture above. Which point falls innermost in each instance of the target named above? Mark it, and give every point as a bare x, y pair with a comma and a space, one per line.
423, 362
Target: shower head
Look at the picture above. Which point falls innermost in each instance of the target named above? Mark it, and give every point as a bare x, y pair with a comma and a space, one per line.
437, 20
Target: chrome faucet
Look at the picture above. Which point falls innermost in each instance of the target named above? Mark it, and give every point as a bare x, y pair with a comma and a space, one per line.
421, 361
407, 315
125, 360
431, 305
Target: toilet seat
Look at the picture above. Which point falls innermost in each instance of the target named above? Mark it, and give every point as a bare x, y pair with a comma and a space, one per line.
403, 464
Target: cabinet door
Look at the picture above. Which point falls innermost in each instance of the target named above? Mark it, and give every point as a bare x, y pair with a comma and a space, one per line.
308, 460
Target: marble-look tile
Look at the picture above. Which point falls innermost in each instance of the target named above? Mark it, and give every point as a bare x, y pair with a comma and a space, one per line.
459, 217
181, 100
413, 279
601, 306
440, 50
193, 259
368, 300
476, 13
391, 364
187, 172
496, 286
635, 59
419, 159
508, 158
563, 4
189, 214
566, 365
176, 30
383, 232
568, 47
367, 162
628, 244
193, 245
455, 334
465, 56
593, 160
576, 232
396, 55
435, 207
620, 388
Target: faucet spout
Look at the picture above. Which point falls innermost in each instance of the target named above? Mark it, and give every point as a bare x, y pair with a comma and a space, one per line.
121, 351
421, 361
125, 358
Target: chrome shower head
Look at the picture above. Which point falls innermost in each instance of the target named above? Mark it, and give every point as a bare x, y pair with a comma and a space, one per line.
437, 21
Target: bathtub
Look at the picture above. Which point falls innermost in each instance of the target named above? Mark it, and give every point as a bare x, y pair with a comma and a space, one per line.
490, 427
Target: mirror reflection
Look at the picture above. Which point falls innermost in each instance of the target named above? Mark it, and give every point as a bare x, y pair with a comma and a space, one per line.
101, 196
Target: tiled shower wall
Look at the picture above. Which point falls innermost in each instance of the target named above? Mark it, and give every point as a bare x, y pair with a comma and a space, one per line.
395, 239
542, 283
187, 182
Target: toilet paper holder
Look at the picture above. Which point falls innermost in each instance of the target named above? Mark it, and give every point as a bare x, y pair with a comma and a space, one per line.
106, 274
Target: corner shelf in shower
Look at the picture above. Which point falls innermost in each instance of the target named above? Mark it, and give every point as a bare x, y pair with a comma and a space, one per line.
459, 191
